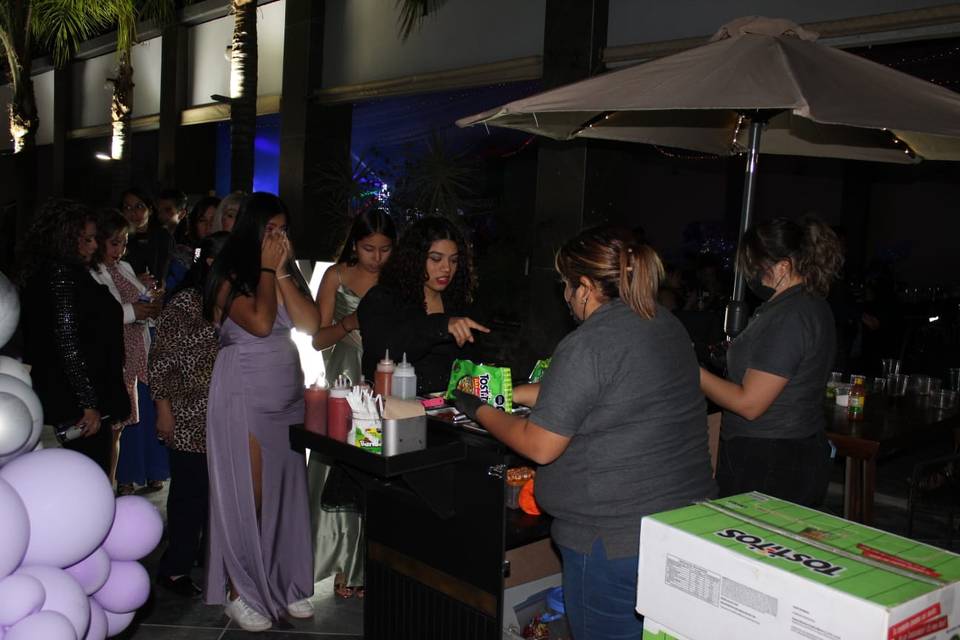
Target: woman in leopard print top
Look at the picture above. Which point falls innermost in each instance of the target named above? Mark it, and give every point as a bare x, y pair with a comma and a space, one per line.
181, 364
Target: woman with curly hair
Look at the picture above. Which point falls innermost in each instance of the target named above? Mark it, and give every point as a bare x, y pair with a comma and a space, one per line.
773, 434
72, 328
420, 306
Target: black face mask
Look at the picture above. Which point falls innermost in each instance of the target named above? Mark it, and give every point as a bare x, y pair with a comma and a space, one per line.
762, 291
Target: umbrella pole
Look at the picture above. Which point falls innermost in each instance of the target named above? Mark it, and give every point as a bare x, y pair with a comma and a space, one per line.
735, 319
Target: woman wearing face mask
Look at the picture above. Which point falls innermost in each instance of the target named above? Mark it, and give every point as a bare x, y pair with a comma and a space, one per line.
773, 431
619, 426
336, 521
420, 305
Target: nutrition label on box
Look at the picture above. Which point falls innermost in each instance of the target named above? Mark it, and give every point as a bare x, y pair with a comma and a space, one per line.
693, 580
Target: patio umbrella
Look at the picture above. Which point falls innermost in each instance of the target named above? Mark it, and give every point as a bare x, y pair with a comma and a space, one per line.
760, 85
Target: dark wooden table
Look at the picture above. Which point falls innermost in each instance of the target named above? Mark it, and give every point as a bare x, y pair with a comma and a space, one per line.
889, 424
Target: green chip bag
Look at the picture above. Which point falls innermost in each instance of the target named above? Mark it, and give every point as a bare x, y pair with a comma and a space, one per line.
537, 374
493, 385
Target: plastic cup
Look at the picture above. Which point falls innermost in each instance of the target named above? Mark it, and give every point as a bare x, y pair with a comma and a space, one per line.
935, 385
897, 385
944, 399
878, 385
843, 394
920, 385
890, 366
953, 379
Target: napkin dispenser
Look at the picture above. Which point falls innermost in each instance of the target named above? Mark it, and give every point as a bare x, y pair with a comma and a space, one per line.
403, 435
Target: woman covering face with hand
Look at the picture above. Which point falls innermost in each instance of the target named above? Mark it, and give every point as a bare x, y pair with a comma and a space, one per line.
421, 305
260, 562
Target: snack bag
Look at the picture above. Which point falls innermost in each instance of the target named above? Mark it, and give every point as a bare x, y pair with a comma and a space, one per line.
367, 434
493, 385
538, 370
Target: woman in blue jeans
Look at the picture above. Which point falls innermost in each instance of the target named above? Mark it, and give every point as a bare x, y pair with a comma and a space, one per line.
619, 426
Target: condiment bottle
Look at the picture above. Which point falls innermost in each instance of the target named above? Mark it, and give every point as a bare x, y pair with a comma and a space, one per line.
315, 408
383, 377
405, 380
858, 393
338, 411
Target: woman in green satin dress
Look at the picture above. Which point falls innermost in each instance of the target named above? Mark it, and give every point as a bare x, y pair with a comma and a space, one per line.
337, 526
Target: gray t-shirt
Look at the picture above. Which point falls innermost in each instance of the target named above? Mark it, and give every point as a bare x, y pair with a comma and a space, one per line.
792, 336
627, 392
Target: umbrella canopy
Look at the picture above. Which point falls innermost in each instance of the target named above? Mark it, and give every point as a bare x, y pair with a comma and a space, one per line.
816, 101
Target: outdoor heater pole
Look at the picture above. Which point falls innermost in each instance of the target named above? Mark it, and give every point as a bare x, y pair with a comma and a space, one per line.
735, 318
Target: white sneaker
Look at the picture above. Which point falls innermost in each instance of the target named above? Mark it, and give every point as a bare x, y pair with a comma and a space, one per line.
246, 616
300, 609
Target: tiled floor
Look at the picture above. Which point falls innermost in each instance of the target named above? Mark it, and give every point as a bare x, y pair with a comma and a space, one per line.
167, 616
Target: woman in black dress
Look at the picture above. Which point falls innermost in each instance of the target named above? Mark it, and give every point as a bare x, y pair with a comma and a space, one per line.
421, 305
73, 328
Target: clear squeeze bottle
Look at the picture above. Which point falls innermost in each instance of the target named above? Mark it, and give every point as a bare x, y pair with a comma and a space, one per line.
405, 380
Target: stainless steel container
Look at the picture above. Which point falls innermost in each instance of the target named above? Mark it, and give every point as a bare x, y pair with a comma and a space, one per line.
404, 436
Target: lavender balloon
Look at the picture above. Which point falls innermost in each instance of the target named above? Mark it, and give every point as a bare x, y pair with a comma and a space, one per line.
11, 385
13, 367
69, 503
136, 531
20, 596
117, 622
9, 309
16, 424
15, 530
48, 625
98, 622
64, 595
91, 572
127, 588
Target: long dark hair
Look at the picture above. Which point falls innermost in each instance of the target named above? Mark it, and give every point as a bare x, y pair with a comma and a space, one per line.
109, 221
810, 245
239, 260
406, 273
53, 236
620, 265
138, 192
188, 234
366, 224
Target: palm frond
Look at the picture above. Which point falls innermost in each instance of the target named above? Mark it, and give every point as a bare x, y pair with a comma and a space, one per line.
61, 25
413, 13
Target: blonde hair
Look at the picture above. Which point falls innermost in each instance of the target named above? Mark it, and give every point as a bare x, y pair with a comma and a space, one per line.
620, 265
234, 199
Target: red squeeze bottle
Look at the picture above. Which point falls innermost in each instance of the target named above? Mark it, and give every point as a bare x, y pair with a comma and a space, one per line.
338, 413
383, 376
315, 409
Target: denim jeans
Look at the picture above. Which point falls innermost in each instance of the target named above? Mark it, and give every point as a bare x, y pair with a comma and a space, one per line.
600, 595
794, 469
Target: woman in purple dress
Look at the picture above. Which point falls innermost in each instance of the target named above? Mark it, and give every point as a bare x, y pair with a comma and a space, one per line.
261, 556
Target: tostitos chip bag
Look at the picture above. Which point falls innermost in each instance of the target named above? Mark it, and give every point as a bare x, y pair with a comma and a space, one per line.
539, 369
493, 385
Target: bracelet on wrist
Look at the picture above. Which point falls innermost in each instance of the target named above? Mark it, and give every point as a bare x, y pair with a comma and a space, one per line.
286, 275
268, 270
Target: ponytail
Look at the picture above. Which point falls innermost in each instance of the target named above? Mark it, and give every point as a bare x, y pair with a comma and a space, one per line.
620, 265
811, 246
821, 259
641, 272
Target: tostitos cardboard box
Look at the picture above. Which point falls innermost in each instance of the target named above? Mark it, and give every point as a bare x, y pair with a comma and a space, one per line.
752, 567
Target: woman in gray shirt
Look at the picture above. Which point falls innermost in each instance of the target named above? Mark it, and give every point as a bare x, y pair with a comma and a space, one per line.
618, 426
773, 429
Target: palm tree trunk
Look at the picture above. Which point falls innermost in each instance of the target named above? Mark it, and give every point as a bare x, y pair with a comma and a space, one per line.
243, 94
121, 108
22, 115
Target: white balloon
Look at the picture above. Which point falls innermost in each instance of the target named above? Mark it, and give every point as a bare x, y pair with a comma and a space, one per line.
13, 367
9, 384
9, 309
16, 423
